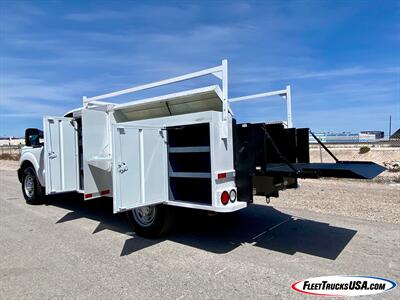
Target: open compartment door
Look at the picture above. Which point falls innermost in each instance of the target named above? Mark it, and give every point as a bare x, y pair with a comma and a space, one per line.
96, 153
60, 154
140, 174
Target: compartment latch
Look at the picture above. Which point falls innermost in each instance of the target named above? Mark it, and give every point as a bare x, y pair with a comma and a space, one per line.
122, 167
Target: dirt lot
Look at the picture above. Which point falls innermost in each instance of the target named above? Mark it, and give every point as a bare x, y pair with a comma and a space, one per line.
69, 248
384, 156
376, 201
351, 198
9, 165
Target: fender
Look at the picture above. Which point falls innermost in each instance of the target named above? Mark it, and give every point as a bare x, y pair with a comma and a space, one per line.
35, 157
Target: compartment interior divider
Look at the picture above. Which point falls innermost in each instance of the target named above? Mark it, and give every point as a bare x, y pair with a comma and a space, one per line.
189, 163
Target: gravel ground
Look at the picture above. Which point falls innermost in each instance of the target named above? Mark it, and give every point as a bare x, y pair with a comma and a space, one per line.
9, 165
75, 249
375, 201
351, 198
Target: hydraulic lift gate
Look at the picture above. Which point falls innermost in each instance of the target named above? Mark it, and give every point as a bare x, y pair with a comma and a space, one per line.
139, 166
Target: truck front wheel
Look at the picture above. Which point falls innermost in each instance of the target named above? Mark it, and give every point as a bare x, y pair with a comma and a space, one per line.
31, 188
151, 221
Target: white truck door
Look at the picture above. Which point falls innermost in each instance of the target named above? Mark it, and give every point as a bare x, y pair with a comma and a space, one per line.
60, 154
140, 173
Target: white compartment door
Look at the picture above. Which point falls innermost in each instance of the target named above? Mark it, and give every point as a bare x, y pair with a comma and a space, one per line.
96, 153
140, 173
60, 154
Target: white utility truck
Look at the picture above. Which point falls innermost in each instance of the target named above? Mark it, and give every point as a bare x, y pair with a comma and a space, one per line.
181, 149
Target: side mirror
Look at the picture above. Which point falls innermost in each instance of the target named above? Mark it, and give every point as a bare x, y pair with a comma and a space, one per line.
33, 136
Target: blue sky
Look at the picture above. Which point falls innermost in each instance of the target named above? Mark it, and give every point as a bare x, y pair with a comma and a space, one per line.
341, 57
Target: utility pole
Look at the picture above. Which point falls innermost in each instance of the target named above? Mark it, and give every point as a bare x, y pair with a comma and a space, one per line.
390, 126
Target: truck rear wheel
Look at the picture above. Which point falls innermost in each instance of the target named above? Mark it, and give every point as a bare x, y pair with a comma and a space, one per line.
151, 221
32, 190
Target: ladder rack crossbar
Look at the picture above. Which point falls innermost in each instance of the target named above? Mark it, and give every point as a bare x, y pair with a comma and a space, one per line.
168, 81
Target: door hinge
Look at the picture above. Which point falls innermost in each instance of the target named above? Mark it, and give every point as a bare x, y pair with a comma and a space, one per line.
161, 132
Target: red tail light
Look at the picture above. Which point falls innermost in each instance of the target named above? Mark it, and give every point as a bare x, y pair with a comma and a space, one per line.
221, 175
225, 197
105, 192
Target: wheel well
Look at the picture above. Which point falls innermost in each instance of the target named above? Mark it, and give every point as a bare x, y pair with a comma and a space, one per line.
24, 165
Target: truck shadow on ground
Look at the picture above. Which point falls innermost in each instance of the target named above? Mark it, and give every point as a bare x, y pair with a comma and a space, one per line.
258, 225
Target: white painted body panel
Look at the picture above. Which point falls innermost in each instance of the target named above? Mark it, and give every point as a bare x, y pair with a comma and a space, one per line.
221, 151
102, 152
102, 149
60, 154
96, 152
97, 137
139, 166
35, 156
197, 100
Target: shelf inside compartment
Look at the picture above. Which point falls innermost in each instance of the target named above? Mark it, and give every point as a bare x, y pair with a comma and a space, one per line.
189, 135
198, 149
190, 174
195, 190
190, 162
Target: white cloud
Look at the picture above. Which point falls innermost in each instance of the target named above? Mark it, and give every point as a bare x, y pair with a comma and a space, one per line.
108, 48
137, 12
352, 71
16, 16
16, 87
96, 16
21, 96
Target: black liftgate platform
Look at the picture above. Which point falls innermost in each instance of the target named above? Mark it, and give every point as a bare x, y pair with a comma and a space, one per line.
269, 158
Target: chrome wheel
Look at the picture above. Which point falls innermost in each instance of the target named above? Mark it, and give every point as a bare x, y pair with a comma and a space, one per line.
29, 186
145, 215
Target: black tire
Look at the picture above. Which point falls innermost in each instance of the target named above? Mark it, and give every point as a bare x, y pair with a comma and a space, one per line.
159, 225
36, 195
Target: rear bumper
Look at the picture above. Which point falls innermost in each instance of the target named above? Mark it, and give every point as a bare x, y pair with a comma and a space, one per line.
221, 209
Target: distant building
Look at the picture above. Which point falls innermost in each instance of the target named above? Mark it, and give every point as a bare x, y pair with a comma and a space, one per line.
11, 141
396, 135
333, 137
369, 135
348, 137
